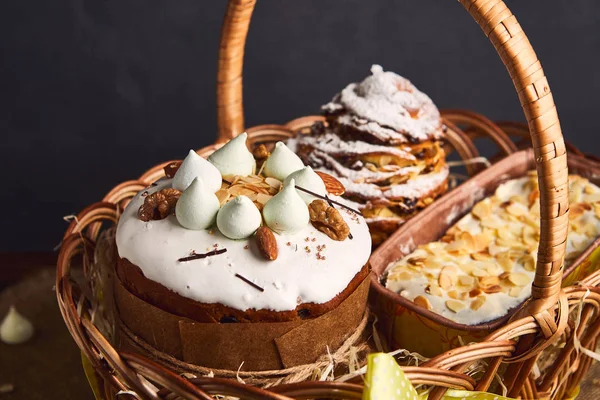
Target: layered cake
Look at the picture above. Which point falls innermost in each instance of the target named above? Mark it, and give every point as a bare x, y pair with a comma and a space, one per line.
485, 263
382, 140
219, 242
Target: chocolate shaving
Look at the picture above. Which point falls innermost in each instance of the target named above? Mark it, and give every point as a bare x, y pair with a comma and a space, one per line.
203, 255
249, 282
329, 200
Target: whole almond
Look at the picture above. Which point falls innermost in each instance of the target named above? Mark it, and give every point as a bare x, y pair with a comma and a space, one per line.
267, 244
332, 185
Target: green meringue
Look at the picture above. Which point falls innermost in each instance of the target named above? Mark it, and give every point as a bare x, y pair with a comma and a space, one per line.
194, 166
307, 178
197, 206
282, 162
234, 158
286, 212
238, 218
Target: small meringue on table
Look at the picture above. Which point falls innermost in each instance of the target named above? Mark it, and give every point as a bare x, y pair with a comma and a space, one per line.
306, 178
238, 218
234, 158
194, 166
282, 162
15, 328
286, 212
197, 206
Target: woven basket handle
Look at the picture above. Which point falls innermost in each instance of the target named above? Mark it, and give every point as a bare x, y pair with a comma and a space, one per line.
513, 47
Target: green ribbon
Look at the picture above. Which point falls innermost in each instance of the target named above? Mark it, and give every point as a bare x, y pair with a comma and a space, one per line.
385, 380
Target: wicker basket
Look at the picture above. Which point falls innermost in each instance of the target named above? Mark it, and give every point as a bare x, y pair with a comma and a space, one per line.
543, 321
118, 370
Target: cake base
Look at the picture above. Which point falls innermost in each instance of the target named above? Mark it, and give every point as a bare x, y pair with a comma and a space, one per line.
260, 346
158, 295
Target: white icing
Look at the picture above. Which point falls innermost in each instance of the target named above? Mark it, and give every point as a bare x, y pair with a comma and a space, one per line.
197, 206
15, 328
388, 106
282, 162
155, 247
307, 178
286, 212
194, 166
234, 158
238, 218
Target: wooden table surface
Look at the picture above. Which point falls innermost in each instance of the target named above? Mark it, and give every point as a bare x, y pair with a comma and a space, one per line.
49, 366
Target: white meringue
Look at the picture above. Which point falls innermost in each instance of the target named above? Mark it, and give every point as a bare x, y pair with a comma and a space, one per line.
286, 212
239, 218
282, 162
197, 206
234, 158
15, 328
194, 166
307, 178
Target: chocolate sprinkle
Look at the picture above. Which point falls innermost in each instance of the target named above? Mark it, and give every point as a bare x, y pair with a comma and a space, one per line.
249, 282
204, 255
328, 200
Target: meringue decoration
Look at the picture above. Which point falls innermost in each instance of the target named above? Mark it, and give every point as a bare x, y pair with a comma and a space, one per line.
197, 206
238, 218
306, 178
286, 212
15, 328
282, 162
194, 166
234, 158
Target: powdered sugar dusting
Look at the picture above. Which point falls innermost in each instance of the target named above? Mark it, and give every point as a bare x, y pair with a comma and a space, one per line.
331, 166
415, 188
389, 106
334, 145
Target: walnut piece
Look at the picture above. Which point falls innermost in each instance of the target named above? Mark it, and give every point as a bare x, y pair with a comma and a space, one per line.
328, 220
159, 205
171, 168
261, 152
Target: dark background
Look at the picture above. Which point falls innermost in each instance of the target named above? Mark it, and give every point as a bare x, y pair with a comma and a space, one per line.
93, 92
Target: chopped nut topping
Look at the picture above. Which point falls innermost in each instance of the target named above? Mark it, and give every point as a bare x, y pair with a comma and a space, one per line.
171, 168
422, 301
455, 305
493, 249
159, 205
328, 220
261, 152
477, 303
